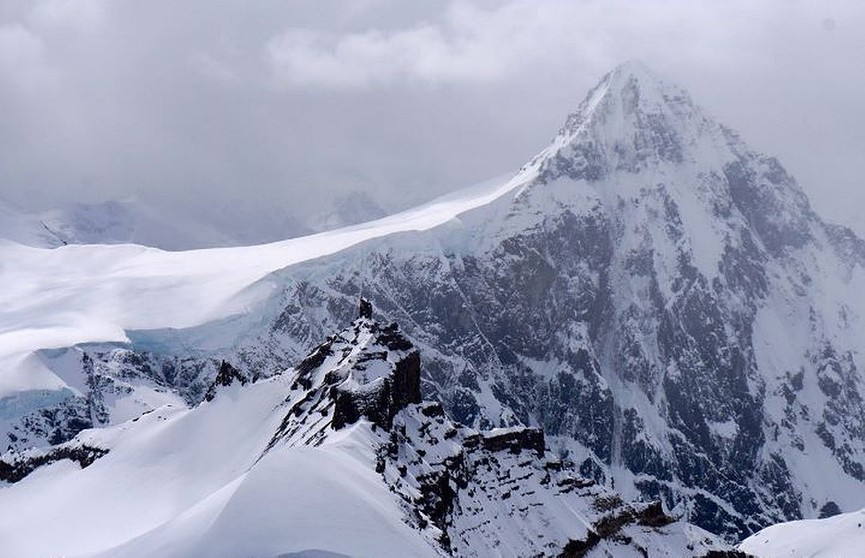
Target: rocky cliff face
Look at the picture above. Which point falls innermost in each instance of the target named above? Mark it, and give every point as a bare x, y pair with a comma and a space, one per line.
357, 396
114, 384
365, 372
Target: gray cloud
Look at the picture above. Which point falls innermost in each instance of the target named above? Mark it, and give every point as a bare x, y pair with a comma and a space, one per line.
223, 106
470, 44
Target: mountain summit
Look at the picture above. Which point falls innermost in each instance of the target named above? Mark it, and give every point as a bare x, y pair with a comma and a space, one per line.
631, 119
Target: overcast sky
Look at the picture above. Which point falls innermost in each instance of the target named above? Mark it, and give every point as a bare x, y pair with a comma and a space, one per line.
271, 100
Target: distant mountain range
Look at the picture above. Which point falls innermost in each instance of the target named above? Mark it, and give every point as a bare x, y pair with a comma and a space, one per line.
174, 228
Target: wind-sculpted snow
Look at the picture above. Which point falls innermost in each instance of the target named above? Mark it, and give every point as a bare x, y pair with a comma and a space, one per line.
63, 297
94, 293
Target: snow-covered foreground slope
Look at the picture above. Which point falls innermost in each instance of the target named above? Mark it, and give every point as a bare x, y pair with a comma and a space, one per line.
196, 483
336, 456
835, 537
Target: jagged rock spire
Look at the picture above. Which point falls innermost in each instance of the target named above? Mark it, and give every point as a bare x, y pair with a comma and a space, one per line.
226, 376
364, 309
366, 371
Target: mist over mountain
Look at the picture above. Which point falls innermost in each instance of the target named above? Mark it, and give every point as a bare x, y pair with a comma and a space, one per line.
649, 302
272, 106
169, 227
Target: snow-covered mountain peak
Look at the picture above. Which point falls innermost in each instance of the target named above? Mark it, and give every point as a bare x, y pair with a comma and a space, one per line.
632, 87
638, 82
367, 371
631, 120
674, 184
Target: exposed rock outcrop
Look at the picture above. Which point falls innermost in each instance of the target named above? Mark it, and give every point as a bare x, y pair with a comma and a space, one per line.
467, 491
226, 376
364, 372
15, 467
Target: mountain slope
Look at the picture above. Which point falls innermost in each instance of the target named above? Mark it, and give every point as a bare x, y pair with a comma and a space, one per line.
841, 535
338, 456
59, 298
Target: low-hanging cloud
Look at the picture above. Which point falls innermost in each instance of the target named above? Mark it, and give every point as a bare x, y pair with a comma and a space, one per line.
302, 57
472, 44
227, 105
469, 45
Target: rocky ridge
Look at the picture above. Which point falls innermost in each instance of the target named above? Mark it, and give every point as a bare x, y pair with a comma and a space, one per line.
466, 492
472, 493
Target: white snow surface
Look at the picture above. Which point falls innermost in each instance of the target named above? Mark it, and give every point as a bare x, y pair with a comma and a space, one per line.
247, 475
61, 297
181, 482
835, 537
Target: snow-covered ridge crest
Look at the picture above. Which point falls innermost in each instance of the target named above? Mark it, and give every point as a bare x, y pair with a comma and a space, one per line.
364, 372
422, 484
